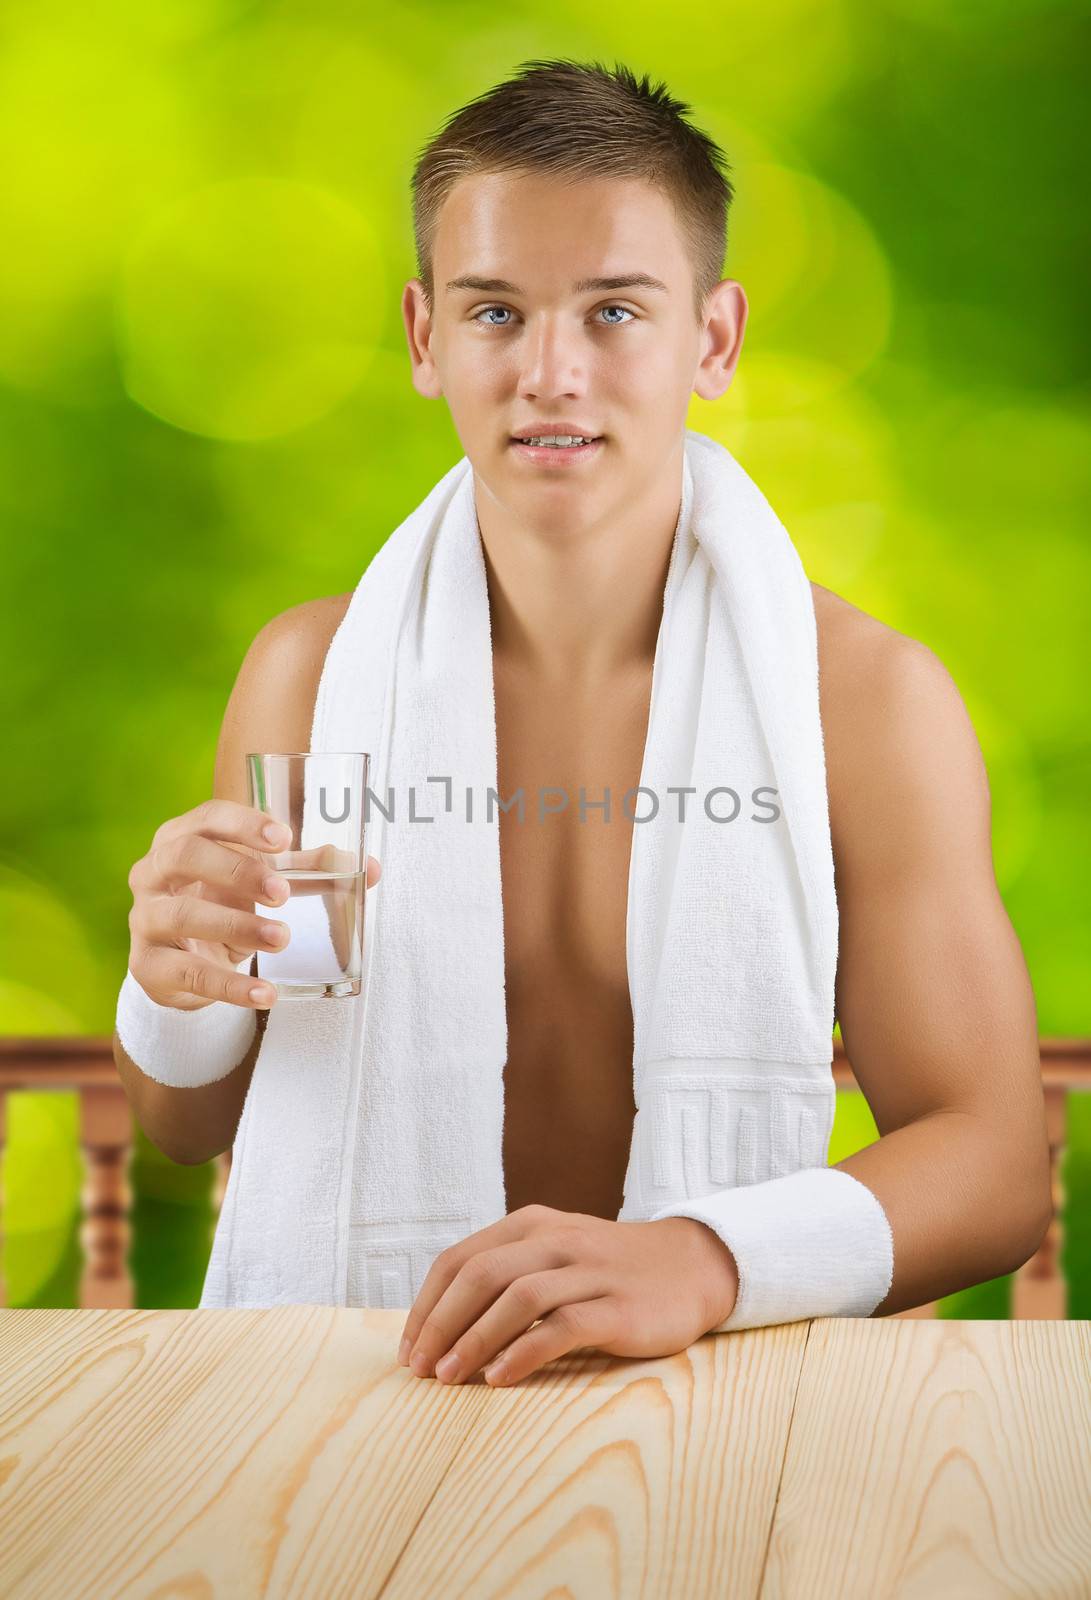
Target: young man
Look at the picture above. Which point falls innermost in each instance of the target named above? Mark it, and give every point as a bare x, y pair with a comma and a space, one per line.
570, 230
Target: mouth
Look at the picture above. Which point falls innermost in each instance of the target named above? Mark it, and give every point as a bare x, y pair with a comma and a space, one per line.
558, 455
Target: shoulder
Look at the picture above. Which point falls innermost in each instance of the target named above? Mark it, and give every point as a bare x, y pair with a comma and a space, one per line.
271, 706
871, 673
293, 646
304, 630
850, 639
902, 756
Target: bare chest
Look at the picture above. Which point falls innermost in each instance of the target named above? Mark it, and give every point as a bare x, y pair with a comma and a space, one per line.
568, 1079
569, 1106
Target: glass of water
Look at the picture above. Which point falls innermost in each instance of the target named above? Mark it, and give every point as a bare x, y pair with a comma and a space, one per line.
320, 796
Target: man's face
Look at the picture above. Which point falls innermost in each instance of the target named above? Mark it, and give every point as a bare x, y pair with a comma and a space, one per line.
618, 363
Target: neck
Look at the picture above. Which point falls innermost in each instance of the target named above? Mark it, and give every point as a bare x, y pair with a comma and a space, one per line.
583, 605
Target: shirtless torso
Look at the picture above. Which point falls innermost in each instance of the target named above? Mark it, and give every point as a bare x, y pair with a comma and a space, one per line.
568, 1097
933, 997
568, 1080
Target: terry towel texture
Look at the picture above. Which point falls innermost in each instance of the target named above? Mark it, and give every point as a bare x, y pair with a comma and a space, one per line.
371, 1136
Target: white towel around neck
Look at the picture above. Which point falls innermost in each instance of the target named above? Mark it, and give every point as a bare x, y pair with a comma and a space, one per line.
371, 1136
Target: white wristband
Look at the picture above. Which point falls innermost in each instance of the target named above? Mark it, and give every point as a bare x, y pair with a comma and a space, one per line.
183, 1049
815, 1243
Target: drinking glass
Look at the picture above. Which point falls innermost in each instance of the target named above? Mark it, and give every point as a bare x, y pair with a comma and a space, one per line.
320, 796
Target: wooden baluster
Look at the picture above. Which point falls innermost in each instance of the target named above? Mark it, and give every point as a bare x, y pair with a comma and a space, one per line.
3, 1152
219, 1187
1039, 1292
106, 1141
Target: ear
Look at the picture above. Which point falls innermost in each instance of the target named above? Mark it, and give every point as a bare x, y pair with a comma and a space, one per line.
418, 331
721, 339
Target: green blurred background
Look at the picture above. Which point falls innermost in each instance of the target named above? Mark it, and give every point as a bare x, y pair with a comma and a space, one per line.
206, 417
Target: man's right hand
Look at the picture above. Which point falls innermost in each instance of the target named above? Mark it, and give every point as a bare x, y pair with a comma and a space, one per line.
194, 892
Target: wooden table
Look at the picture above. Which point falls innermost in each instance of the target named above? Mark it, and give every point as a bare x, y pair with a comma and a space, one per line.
194, 1455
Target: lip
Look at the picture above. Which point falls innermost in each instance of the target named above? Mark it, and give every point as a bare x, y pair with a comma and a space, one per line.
544, 455
566, 425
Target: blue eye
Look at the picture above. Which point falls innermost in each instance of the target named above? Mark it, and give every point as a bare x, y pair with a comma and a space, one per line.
486, 309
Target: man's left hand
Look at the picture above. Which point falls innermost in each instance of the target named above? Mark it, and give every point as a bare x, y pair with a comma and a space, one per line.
629, 1288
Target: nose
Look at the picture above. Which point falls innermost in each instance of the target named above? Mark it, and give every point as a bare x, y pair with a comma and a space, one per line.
553, 362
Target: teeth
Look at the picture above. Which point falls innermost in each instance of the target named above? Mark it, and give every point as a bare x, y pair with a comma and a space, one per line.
564, 439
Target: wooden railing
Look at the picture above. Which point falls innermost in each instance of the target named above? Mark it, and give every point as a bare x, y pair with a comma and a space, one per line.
86, 1066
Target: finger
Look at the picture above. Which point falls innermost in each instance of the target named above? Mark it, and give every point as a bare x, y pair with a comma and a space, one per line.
173, 973
321, 858
513, 1225
219, 894
242, 893
324, 858
227, 819
537, 1295
185, 858
172, 919
494, 1297
153, 920
570, 1327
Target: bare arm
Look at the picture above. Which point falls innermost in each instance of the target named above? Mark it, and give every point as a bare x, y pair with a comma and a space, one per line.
270, 708
179, 1121
934, 999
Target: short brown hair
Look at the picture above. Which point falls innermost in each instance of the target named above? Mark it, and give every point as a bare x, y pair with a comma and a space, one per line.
578, 119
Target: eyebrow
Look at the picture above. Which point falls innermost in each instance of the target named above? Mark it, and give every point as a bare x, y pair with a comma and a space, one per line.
630, 280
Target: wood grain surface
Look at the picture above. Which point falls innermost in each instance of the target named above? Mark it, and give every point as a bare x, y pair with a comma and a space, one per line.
187, 1455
